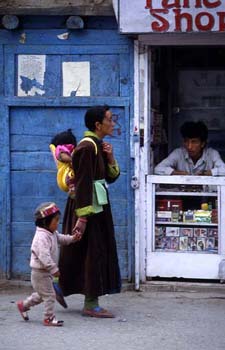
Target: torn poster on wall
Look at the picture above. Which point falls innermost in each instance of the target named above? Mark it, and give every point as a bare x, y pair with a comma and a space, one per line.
31, 72
76, 79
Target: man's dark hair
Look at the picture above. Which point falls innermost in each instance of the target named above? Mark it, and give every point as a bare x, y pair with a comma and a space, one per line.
190, 130
93, 115
64, 138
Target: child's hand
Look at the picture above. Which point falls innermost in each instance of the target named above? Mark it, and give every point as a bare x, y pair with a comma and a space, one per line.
65, 157
56, 274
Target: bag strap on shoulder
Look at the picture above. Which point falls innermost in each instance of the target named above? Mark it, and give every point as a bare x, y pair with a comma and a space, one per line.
89, 139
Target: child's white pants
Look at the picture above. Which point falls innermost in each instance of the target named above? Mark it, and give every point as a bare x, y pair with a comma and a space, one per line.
44, 292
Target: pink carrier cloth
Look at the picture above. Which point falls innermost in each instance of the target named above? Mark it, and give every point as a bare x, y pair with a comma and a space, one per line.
64, 149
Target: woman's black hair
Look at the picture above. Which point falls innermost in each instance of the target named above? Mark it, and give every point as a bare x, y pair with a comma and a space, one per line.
93, 115
45, 222
190, 130
64, 138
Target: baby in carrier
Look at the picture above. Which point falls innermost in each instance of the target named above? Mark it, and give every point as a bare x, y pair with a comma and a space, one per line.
62, 147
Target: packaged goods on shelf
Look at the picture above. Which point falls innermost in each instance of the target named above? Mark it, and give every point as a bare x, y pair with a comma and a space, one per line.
183, 244
159, 230
186, 231
200, 232
164, 215
210, 243
192, 243
167, 204
213, 232
214, 217
188, 216
202, 216
172, 231
201, 243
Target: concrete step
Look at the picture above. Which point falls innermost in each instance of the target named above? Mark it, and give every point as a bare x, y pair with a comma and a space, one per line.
148, 286
191, 287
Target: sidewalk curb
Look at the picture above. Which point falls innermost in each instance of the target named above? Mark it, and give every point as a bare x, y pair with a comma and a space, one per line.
149, 286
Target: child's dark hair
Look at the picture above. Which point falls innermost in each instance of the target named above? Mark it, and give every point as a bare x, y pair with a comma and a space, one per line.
64, 138
192, 130
95, 114
45, 222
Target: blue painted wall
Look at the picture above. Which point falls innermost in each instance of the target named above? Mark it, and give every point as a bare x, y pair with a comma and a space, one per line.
27, 124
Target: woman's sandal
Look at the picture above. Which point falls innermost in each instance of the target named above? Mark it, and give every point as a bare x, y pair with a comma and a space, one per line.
52, 321
97, 312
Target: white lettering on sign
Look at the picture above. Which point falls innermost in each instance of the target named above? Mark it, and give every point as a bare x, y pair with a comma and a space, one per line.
161, 16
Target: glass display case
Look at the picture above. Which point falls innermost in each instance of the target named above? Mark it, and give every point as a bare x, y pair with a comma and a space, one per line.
186, 219
185, 216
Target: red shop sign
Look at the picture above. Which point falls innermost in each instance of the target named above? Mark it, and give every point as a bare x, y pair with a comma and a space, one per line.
162, 16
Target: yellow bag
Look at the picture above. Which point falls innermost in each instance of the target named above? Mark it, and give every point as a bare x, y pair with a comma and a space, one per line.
65, 171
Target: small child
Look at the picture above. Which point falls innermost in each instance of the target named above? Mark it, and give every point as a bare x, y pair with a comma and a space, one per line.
43, 262
62, 147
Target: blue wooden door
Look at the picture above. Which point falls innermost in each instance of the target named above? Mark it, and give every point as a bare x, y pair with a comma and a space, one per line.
33, 172
34, 108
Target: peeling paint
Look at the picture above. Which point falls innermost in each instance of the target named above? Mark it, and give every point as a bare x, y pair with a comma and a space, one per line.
22, 38
63, 36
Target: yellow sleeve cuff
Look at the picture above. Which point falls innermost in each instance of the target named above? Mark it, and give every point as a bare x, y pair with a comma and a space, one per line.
113, 170
89, 210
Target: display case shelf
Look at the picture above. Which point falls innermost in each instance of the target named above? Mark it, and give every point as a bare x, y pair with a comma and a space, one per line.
179, 193
200, 224
184, 194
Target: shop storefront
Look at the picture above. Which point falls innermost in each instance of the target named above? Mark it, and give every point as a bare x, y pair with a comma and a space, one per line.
179, 76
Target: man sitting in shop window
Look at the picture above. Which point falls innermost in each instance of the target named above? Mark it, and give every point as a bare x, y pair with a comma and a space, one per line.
194, 158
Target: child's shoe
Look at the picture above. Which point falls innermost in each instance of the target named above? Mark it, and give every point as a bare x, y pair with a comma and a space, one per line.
52, 321
23, 310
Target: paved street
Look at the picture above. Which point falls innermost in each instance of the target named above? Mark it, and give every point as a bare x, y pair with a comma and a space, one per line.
144, 320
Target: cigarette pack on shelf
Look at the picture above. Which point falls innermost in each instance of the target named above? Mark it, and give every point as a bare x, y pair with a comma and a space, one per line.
186, 231
158, 242
200, 232
164, 215
214, 216
213, 232
183, 243
192, 243
167, 204
174, 243
166, 244
188, 216
210, 243
160, 231
201, 243
202, 216
172, 231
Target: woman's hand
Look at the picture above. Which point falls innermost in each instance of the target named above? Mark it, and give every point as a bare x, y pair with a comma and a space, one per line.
79, 228
108, 150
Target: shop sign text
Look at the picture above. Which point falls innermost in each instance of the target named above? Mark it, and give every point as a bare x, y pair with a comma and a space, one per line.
162, 16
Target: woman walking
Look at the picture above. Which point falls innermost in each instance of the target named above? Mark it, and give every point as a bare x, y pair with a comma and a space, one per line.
90, 267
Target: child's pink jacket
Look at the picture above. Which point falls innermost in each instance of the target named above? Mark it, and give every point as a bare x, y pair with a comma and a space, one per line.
45, 250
